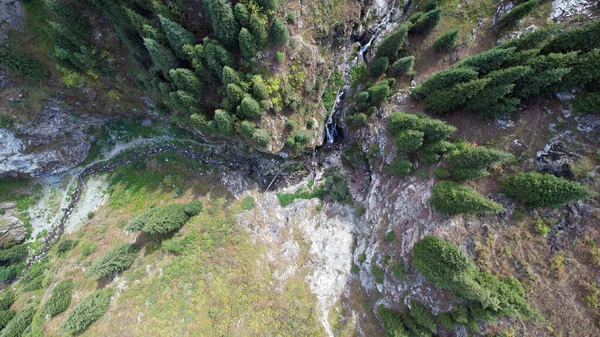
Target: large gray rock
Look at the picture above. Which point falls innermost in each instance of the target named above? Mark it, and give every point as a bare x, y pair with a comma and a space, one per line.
565, 10
12, 230
54, 143
11, 17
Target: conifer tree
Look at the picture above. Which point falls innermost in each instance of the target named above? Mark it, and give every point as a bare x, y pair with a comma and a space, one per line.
539, 190
162, 57
268, 5
177, 36
427, 21
278, 32
224, 122
258, 29
392, 43
584, 38
248, 46
224, 24
472, 161
513, 16
452, 198
446, 41
404, 66
242, 14
185, 79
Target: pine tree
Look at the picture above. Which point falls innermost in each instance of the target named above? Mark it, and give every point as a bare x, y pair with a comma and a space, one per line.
379, 66
392, 43
217, 57
248, 46
177, 36
427, 21
234, 93
444, 101
404, 66
224, 24
588, 103
400, 121
544, 190
230, 76
399, 167
186, 80
486, 61
258, 29
259, 88
268, 5
452, 198
475, 159
242, 14
115, 260
434, 129
261, 137
409, 140
446, 41
86, 312
224, 122
513, 16
278, 32
249, 108
162, 57
584, 38
443, 80
530, 40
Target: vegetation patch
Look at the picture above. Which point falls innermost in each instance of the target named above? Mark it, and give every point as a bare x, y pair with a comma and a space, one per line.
86, 312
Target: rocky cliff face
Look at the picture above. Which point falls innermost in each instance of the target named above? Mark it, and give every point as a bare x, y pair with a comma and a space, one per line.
55, 142
11, 17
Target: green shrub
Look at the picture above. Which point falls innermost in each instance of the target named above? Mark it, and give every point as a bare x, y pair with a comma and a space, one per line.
248, 203
392, 43
160, 220
86, 312
513, 16
400, 121
446, 41
17, 326
441, 173
430, 5
379, 66
379, 93
258, 29
399, 167
362, 258
193, 208
530, 40
377, 273
409, 140
422, 316
539, 190
427, 21
588, 103
176, 35
278, 32
224, 122
434, 130
242, 14
261, 137
186, 80
7, 298
452, 198
22, 65
446, 320
5, 317
15, 253
117, 259
259, 88
404, 66
336, 187
268, 5
358, 119
390, 236
280, 57
33, 279
234, 93
60, 299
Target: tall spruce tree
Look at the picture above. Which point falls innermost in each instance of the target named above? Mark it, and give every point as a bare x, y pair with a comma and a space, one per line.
162, 57
177, 36
538, 190
225, 26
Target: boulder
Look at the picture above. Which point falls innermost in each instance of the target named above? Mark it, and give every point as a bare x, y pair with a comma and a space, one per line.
12, 230
11, 17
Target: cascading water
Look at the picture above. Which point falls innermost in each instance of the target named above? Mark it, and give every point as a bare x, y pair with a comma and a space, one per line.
331, 124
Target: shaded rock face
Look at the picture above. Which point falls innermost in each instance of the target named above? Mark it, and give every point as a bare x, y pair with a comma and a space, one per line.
565, 10
12, 230
54, 143
11, 17
555, 159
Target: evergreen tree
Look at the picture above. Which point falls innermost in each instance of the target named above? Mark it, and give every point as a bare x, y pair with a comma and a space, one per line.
279, 32
486, 61
216, 57
588, 103
445, 101
60, 299
399, 167
196, 55
513, 16
234, 93
379, 93
541, 190
452, 198
268, 5
177, 36
224, 24
530, 40
404, 66
230, 76
471, 162
443, 80
400, 121
433, 129
585, 72
258, 29
446, 41
186, 80
162, 57
242, 14
249, 108
259, 88
430, 5
392, 43
584, 38
248, 46
86, 312
379, 66
427, 21
224, 122
116, 260
261, 137
409, 140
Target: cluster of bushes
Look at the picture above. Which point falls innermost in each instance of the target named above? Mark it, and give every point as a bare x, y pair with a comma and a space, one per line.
493, 83
417, 134
17, 326
86, 312
22, 64
486, 296
117, 259
335, 186
544, 190
6, 315
368, 101
60, 298
165, 219
34, 278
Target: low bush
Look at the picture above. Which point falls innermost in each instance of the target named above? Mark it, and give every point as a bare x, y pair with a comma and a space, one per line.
60, 298
193, 208
7, 298
165, 219
588, 103
377, 273
5, 317
399, 167
452, 198
392, 322
538, 190
404, 66
14, 253
390, 236
379, 66
248, 203
65, 246
17, 326
116, 260
86, 312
